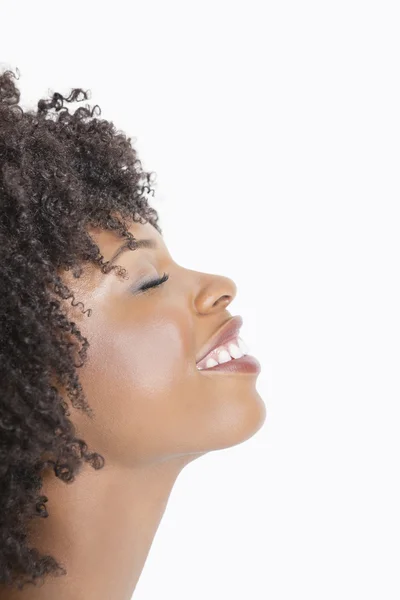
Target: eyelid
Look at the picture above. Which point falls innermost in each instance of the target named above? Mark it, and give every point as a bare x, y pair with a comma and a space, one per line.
148, 285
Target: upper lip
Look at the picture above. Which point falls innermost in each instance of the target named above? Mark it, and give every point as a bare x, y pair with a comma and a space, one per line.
226, 332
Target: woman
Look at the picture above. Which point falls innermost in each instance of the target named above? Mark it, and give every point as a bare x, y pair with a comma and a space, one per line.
140, 384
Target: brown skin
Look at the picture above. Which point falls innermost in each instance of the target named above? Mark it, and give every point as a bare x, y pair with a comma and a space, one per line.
154, 413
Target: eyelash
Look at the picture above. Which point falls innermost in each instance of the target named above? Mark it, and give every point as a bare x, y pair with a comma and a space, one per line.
152, 284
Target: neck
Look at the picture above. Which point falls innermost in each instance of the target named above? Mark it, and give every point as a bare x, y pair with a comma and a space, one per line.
101, 528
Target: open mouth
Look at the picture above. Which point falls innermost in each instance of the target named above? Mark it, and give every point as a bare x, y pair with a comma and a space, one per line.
231, 350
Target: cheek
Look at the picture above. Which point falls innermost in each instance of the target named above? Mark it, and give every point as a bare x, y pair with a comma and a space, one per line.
152, 357
145, 354
135, 379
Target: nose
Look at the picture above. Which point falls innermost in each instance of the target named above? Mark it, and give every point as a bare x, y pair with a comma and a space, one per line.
215, 293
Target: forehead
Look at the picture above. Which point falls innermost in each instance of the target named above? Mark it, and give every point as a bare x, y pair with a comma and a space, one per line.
110, 241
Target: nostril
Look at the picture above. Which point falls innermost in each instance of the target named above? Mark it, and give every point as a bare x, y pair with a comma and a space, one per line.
222, 300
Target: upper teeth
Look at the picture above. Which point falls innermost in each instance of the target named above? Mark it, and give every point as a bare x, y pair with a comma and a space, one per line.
235, 348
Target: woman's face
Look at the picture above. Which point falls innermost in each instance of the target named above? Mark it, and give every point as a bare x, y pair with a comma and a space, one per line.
140, 378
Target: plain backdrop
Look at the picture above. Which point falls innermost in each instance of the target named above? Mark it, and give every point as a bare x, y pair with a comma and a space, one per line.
273, 128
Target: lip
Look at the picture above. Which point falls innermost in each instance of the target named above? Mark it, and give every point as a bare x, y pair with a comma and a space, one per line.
228, 330
245, 364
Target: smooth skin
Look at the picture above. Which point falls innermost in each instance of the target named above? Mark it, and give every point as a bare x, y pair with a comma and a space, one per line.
154, 412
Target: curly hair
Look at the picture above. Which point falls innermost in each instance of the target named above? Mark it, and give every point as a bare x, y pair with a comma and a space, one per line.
59, 173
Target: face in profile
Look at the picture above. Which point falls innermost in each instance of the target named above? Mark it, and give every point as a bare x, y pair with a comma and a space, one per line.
150, 401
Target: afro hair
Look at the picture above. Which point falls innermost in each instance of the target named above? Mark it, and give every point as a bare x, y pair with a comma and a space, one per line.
60, 172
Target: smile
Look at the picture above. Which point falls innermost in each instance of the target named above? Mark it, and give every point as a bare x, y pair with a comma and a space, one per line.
232, 349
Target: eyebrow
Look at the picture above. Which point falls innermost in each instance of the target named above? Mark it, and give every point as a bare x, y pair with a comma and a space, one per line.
139, 244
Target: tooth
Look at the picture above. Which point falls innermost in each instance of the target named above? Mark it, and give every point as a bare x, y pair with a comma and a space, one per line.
211, 363
223, 356
235, 351
243, 346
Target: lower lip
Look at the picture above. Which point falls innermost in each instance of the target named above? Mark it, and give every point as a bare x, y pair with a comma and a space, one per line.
245, 364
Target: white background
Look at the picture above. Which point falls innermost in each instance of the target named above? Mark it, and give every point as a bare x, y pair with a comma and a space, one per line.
273, 128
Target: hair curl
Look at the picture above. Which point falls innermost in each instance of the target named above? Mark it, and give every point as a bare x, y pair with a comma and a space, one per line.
58, 174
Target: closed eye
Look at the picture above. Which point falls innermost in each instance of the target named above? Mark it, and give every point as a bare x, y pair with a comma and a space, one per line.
151, 284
